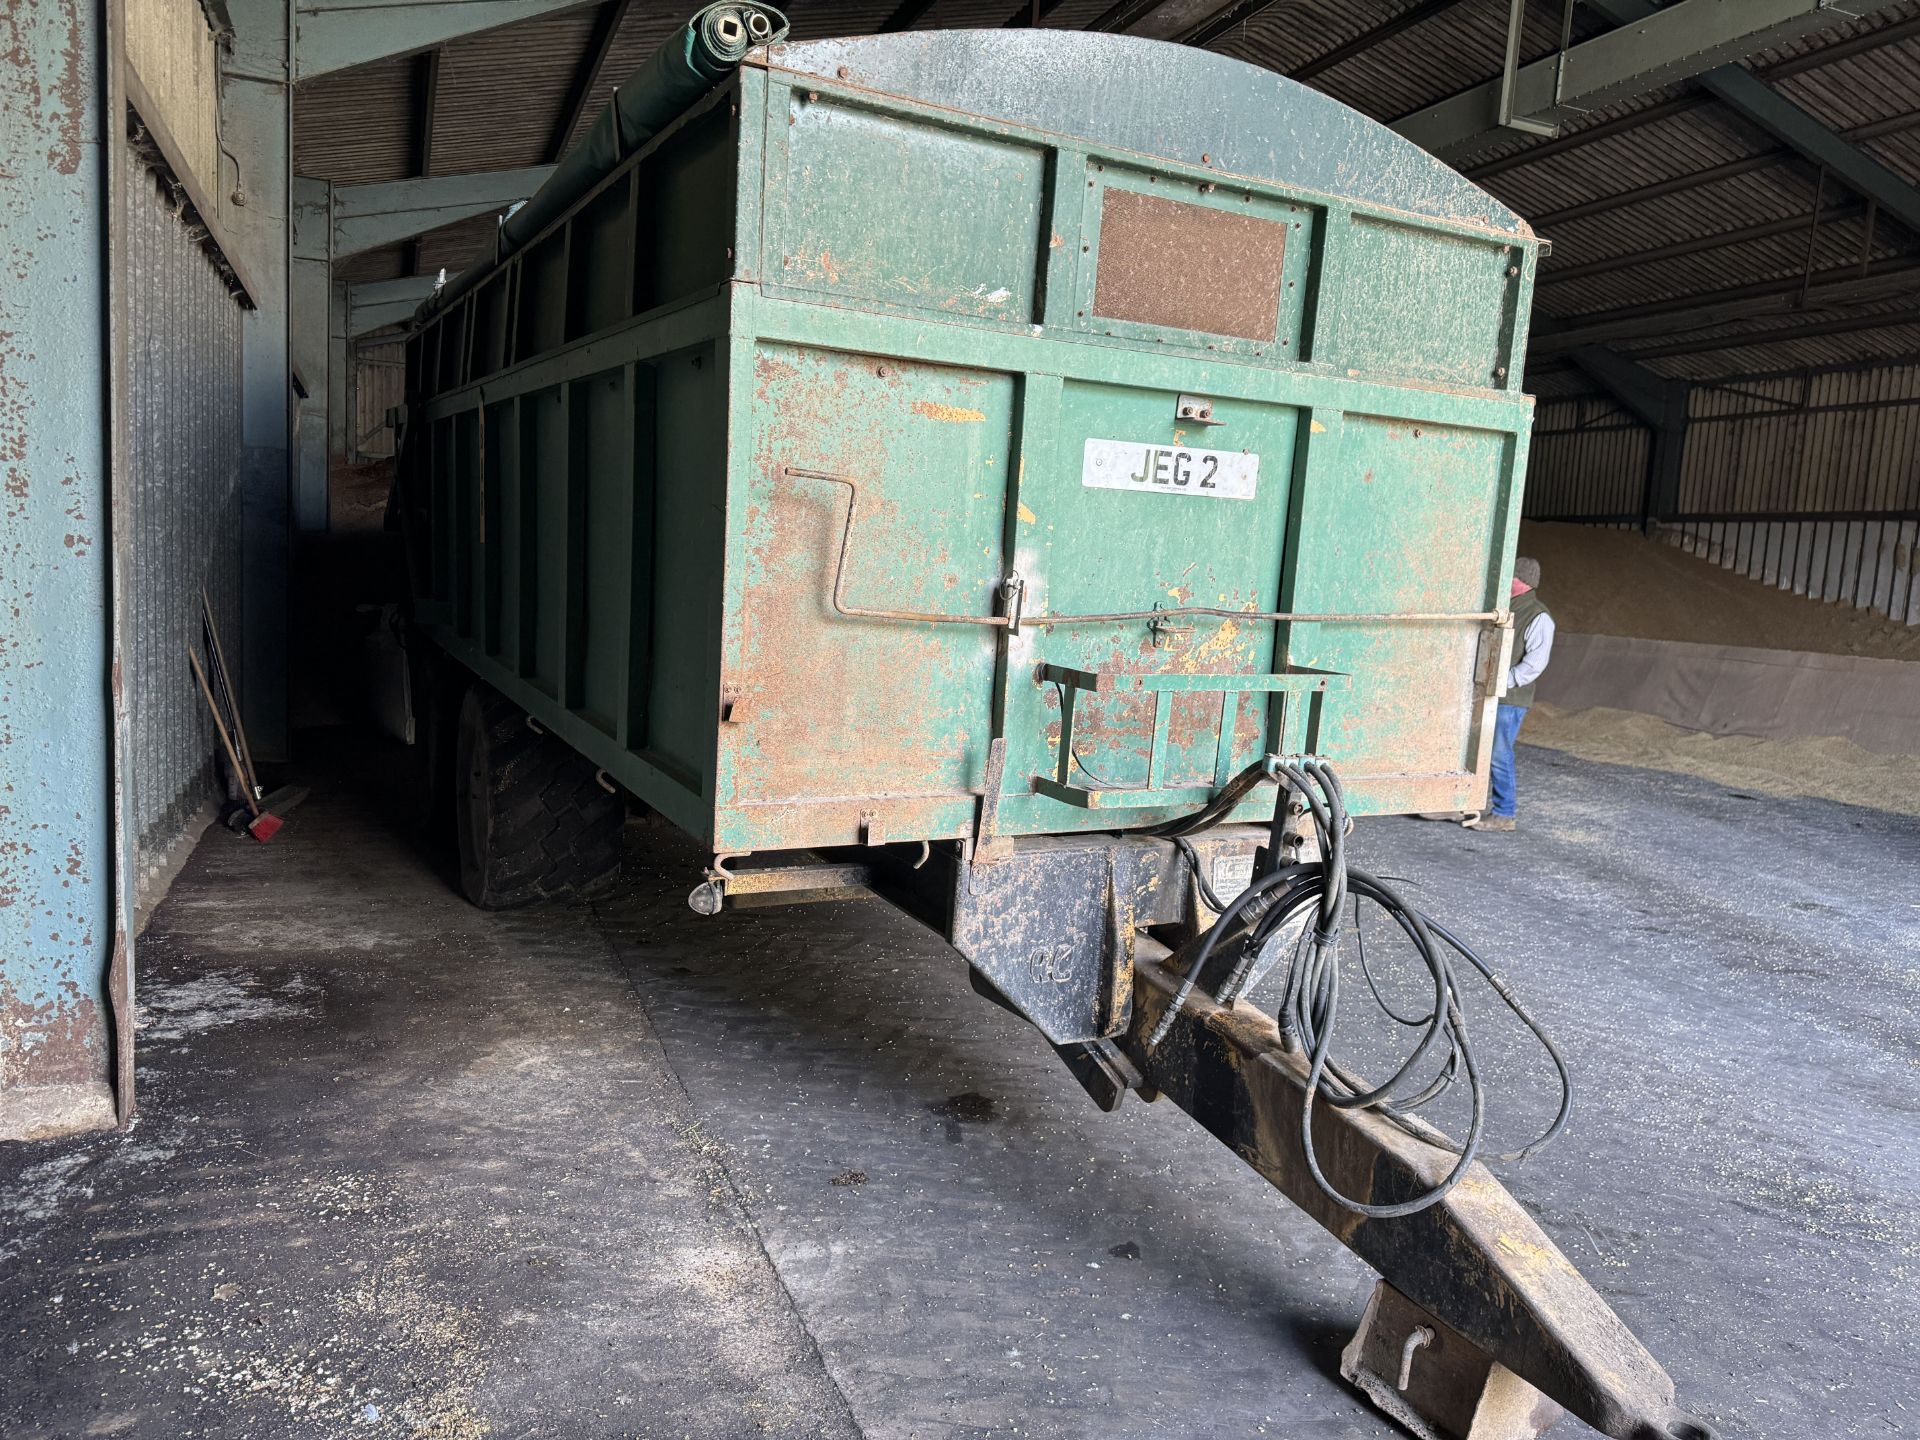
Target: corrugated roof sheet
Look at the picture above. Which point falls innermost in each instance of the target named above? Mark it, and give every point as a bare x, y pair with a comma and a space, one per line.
355, 126
1454, 49
503, 93
641, 32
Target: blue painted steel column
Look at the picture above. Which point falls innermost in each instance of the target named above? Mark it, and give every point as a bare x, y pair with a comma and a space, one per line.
56, 792
256, 126
307, 298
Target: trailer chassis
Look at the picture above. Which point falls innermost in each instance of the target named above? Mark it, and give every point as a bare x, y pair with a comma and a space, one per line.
1479, 1328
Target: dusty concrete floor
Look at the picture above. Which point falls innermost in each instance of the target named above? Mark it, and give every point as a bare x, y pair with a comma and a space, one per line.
404, 1169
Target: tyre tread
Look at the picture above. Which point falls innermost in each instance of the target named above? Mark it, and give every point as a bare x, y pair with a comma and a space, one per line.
551, 829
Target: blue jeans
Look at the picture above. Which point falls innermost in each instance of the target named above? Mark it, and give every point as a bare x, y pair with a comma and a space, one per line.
1505, 797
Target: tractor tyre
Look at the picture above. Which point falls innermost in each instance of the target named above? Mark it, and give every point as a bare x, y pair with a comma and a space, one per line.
532, 818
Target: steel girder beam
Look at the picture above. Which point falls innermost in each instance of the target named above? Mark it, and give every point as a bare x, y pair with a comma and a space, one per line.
1024, 16
1656, 402
1221, 21
1605, 130
1712, 174
1767, 110
255, 127
606, 25
365, 217
1188, 22
1779, 70
1476, 1260
1674, 43
334, 35
426, 98
308, 284
1700, 244
903, 17
380, 303
1118, 16
1887, 279
1674, 185
1781, 334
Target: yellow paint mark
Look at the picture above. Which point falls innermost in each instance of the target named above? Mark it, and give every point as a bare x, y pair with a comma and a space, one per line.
1317, 428
1218, 648
1532, 1257
1028, 515
1178, 436
948, 414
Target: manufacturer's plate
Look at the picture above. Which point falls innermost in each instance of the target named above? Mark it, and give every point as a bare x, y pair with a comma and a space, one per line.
1169, 469
1231, 875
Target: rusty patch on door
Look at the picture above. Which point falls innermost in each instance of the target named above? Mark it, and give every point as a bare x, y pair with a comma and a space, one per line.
1189, 267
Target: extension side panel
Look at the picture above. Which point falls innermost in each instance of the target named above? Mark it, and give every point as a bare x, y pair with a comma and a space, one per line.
565, 479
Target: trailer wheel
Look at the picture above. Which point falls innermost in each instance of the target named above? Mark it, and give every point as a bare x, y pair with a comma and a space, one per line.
533, 821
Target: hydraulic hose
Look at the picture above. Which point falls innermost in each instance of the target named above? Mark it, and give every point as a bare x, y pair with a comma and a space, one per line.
1308, 1011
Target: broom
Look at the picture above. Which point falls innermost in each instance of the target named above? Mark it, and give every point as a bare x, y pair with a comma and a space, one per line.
264, 825
223, 692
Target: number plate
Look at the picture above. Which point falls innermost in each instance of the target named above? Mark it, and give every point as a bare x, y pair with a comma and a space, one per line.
1169, 469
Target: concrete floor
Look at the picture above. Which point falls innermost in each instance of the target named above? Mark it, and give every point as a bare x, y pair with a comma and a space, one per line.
404, 1169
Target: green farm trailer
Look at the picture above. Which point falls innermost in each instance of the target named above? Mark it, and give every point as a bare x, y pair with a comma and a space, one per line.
993, 470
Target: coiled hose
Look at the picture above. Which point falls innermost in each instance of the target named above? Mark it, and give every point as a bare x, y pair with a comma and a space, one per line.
1309, 1006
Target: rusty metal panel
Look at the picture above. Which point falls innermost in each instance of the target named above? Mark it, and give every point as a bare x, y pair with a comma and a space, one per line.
1394, 515
183, 399
1189, 267
908, 712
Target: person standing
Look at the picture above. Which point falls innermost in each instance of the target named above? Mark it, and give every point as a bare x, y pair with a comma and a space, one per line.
1532, 649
